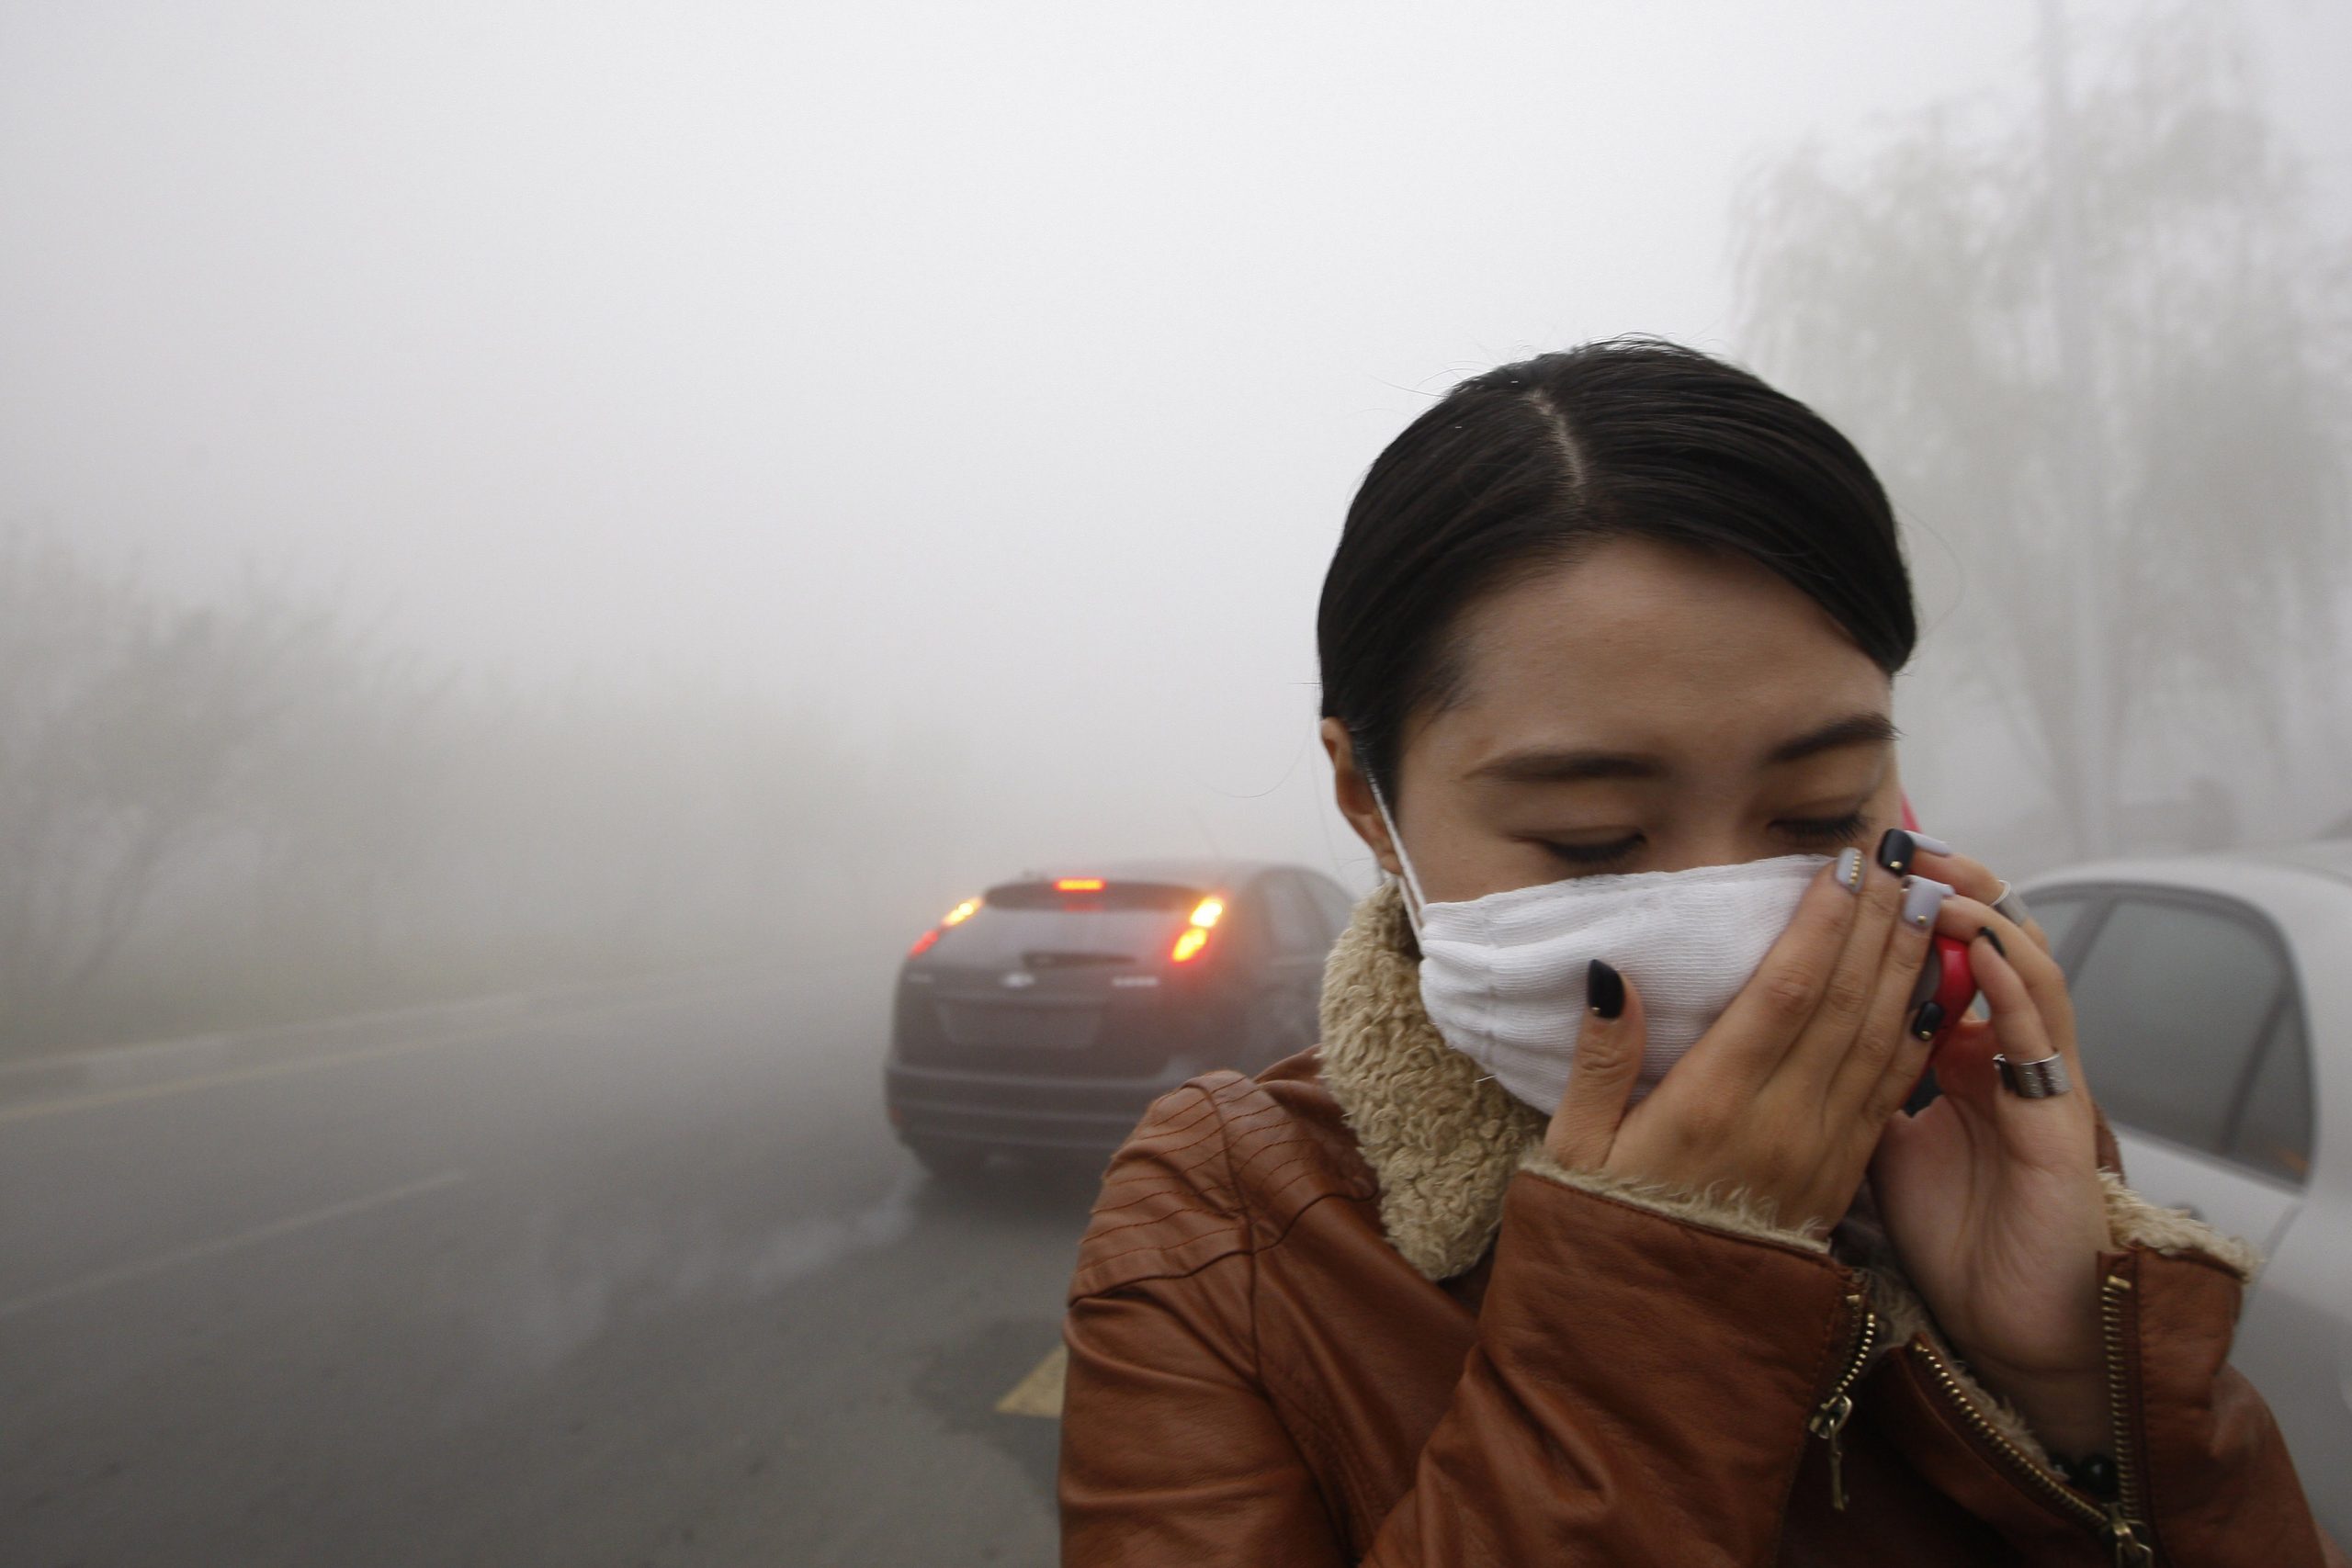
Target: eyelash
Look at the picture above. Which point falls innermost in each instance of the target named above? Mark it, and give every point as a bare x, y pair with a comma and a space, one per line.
1815, 830
1828, 830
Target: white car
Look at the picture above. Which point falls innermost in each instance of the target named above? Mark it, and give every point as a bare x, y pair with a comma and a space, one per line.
2213, 1001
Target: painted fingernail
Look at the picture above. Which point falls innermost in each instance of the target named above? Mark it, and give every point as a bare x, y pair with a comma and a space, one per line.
1989, 935
1850, 870
1895, 851
1605, 988
1922, 897
1933, 846
1927, 1020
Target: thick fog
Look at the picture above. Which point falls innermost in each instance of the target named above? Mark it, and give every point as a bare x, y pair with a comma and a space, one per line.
545, 547
492, 492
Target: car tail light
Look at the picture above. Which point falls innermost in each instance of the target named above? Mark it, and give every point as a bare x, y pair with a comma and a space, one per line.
1195, 934
954, 917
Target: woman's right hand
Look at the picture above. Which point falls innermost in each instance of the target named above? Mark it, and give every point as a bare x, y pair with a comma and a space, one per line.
1786, 1095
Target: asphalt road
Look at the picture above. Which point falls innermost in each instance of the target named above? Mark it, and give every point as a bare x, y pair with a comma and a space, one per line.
632, 1279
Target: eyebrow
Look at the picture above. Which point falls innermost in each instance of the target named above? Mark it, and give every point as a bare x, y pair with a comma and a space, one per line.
1854, 729
1552, 765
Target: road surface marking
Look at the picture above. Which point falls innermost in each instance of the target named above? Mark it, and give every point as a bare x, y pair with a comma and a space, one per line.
104, 1098
505, 1028
205, 1249
1039, 1394
721, 977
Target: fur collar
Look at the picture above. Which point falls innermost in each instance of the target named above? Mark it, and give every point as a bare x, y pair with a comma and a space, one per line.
1443, 1138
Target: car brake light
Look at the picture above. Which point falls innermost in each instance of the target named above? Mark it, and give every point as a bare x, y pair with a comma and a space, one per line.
1206, 914
1079, 884
923, 942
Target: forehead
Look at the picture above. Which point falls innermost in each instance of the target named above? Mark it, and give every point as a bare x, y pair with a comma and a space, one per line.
1644, 646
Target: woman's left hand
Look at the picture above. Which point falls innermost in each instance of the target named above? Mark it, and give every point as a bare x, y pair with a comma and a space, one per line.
1994, 1200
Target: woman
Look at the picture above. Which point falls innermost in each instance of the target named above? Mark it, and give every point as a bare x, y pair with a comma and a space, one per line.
1608, 648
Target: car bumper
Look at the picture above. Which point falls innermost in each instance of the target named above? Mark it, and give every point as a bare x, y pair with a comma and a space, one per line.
997, 1111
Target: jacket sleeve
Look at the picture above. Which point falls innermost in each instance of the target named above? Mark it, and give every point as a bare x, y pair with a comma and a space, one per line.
1638, 1392
2218, 1485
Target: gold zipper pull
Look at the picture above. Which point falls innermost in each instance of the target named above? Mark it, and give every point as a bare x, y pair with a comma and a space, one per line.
1826, 1423
2130, 1551
1828, 1418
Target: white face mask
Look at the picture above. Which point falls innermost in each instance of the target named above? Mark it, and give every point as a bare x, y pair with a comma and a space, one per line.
1503, 976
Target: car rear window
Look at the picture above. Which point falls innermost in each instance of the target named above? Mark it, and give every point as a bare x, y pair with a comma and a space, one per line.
1036, 925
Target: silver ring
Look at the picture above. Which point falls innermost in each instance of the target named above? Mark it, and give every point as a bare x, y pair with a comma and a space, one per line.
2012, 905
2034, 1080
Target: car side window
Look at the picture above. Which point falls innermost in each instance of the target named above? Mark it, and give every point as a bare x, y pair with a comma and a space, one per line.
2059, 915
2170, 1002
2274, 1129
1297, 927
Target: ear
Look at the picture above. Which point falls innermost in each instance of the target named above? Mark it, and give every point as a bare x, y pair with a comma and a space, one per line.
1353, 791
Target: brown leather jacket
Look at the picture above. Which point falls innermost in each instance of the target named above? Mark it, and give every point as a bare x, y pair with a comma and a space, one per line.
1345, 1312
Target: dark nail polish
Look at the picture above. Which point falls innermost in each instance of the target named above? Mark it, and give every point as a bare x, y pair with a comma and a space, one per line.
1989, 935
1605, 988
1927, 1020
1895, 850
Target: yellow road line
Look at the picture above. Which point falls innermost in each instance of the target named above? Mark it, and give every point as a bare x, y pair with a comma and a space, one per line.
99, 1101
511, 1027
1039, 1394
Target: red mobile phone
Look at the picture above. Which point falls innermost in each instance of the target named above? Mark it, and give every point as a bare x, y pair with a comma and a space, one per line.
1946, 975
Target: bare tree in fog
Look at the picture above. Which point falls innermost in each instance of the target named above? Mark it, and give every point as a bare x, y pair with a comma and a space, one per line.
2184, 448
128, 729
220, 814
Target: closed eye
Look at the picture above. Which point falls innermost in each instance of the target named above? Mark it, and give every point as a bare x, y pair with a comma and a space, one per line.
1825, 831
1807, 830
1594, 854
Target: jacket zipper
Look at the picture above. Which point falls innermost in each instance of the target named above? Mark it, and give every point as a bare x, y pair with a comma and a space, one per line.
1829, 1418
2118, 1522
2125, 1513
2068, 1501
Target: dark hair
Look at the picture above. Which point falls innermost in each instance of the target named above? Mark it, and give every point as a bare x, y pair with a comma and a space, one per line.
1521, 468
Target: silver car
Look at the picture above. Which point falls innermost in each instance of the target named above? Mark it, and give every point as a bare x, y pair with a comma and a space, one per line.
2213, 1001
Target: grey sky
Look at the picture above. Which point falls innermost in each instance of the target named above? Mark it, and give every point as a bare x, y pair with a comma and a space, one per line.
1004, 367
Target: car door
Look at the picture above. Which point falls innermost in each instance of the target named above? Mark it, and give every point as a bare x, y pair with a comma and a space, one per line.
2192, 1025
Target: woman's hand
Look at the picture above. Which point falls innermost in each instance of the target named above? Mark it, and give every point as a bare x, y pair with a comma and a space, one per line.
1993, 1201
1786, 1096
